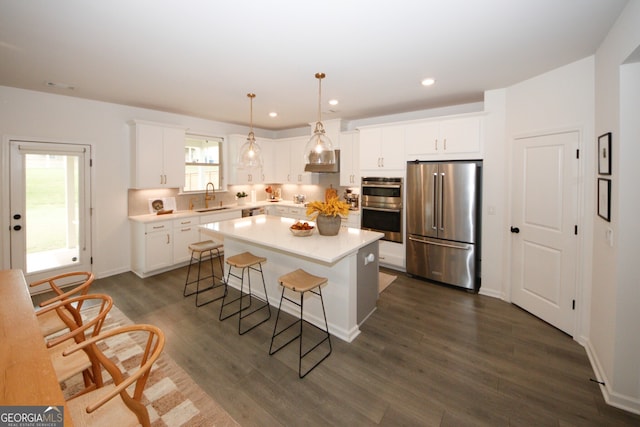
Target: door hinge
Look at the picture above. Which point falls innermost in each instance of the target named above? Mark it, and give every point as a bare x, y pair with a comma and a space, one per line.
573, 305
575, 230
91, 260
90, 162
577, 153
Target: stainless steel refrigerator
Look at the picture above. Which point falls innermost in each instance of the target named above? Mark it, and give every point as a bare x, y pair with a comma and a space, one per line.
443, 221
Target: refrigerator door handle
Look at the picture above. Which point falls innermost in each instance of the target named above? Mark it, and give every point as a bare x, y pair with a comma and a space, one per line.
442, 201
434, 203
445, 245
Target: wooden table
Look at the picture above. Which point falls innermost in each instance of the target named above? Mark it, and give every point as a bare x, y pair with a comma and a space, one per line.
28, 377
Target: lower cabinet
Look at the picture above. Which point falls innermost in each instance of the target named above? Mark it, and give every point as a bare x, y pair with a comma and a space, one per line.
163, 245
352, 220
152, 247
185, 232
392, 254
296, 212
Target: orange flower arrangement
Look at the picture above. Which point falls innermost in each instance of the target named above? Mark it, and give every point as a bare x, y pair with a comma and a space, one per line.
332, 207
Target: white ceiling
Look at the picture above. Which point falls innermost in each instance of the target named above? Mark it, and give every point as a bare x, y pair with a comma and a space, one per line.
201, 57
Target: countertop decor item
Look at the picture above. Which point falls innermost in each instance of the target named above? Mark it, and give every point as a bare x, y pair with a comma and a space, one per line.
328, 215
241, 196
301, 229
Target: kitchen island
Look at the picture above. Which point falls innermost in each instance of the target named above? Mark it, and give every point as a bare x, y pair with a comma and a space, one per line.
349, 261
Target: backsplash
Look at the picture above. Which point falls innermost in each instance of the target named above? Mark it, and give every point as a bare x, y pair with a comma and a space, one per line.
139, 199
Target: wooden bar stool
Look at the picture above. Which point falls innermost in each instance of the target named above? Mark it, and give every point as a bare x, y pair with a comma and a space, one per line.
245, 261
300, 281
198, 250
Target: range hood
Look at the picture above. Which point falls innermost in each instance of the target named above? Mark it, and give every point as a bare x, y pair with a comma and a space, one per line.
324, 167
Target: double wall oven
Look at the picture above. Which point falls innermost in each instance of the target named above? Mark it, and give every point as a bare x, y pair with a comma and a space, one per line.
381, 206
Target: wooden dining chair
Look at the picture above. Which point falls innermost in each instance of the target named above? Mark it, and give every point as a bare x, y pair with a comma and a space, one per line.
81, 280
116, 404
84, 362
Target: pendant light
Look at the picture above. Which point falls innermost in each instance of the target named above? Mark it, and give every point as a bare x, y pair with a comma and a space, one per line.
319, 149
250, 156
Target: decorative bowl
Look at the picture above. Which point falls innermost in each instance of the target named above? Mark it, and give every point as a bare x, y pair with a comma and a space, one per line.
303, 232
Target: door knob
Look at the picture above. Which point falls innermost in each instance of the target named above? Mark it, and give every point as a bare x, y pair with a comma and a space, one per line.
515, 230
17, 227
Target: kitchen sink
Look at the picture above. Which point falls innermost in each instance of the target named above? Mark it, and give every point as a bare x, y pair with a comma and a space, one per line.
219, 208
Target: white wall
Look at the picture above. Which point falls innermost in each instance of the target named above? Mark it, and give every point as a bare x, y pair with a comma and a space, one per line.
561, 99
615, 315
495, 206
104, 126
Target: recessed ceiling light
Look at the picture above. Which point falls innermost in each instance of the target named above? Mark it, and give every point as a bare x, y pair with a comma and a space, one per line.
333, 102
60, 85
273, 114
428, 82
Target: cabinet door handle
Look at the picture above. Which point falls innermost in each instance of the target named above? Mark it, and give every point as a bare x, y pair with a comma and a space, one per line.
445, 144
168, 239
436, 144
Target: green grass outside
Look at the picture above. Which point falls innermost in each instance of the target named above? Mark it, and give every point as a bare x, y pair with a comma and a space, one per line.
46, 209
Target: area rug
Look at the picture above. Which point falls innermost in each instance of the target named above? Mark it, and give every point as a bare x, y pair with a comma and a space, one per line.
384, 280
171, 396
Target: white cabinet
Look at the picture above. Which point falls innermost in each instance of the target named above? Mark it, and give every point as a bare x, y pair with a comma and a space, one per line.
349, 159
289, 161
392, 254
296, 212
382, 149
455, 138
242, 176
185, 232
159, 246
352, 220
157, 155
152, 247
268, 160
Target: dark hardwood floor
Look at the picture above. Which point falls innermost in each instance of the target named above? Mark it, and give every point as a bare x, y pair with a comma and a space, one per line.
428, 356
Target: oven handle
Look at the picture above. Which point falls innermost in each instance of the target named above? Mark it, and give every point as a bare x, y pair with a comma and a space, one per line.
381, 185
382, 209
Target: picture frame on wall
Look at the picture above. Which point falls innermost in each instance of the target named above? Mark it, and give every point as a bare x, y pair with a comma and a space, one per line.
604, 199
604, 154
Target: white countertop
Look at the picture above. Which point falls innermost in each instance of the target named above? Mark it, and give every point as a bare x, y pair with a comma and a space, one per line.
273, 232
227, 208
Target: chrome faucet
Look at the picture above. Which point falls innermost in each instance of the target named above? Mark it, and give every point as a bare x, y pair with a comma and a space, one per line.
208, 196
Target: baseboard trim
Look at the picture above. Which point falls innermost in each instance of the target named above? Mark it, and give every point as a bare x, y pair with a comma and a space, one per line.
617, 400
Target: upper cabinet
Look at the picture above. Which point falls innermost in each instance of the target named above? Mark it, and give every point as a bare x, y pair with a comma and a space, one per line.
349, 159
157, 155
289, 163
455, 138
240, 176
382, 149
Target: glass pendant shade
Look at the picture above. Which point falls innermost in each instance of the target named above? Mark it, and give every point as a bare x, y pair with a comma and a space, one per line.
250, 156
319, 149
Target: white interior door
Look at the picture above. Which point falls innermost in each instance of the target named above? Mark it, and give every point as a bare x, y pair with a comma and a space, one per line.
50, 208
544, 224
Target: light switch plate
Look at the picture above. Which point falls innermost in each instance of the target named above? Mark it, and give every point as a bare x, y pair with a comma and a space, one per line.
609, 236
